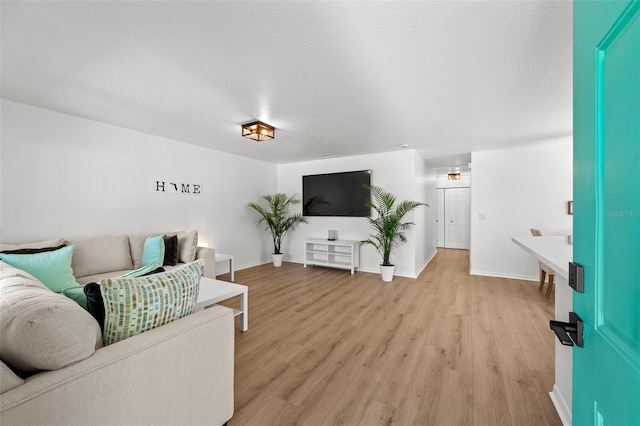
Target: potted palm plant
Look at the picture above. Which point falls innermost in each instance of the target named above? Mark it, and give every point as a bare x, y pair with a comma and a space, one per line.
278, 219
388, 226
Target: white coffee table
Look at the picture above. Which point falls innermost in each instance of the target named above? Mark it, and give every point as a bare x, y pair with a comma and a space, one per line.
214, 291
223, 257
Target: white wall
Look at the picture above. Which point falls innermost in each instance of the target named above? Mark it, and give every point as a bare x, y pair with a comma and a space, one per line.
67, 176
395, 172
515, 190
71, 177
426, 238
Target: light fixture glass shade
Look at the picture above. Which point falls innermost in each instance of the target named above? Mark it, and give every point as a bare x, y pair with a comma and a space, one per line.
258, 131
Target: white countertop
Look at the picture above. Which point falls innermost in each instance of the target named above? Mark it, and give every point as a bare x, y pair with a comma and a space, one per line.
554, 251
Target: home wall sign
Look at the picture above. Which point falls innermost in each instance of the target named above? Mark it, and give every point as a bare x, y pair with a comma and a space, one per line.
166, 187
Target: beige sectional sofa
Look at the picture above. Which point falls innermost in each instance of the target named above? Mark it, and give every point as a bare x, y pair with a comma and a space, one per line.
106, 257
178, 373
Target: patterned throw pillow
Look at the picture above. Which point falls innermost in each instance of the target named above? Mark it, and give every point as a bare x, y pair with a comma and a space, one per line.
135, 305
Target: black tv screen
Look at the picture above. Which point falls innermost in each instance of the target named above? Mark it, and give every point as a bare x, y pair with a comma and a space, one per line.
336, 194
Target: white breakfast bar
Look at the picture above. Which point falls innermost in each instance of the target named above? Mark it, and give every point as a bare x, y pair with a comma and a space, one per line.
556, 252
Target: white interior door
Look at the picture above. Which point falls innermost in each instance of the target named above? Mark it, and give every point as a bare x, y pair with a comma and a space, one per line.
456, 216
440, 217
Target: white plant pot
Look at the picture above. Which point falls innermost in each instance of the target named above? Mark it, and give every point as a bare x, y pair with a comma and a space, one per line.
277, 260
387, 272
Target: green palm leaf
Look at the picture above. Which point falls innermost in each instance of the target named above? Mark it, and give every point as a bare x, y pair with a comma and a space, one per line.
277, 216
388, 228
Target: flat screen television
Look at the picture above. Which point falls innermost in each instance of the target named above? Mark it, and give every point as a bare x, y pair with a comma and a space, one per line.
336, 194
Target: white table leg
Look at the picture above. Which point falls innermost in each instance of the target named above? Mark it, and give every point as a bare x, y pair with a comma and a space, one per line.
244, 307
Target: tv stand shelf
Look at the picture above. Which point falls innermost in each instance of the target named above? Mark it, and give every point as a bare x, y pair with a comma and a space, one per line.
343, 254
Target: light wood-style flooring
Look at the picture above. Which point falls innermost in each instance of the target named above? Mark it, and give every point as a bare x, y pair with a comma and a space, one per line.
325, 347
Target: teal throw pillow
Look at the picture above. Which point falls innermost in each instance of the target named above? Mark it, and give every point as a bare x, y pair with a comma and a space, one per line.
140, 271
52, 268
76, 293
153, 251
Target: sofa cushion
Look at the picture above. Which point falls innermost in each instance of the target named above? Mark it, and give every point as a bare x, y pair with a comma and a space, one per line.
171, 252
136, 244
52, 268
135, 305
37, 245
40, 329
8, 379
102, 254
98, 277
187, 246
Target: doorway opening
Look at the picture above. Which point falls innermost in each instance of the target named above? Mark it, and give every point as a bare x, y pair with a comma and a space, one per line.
453, 212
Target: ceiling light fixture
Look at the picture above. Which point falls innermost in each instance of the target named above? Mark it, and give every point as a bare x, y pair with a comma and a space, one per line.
258, 131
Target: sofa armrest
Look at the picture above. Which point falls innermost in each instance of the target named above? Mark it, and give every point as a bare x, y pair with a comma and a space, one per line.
209, 256
179, 373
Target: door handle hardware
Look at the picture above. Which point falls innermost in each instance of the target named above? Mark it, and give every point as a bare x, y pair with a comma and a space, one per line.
569, 333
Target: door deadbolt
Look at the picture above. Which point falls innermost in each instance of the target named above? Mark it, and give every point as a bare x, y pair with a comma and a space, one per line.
576, 277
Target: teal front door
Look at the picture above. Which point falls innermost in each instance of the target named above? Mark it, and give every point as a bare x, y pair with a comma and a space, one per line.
606, 102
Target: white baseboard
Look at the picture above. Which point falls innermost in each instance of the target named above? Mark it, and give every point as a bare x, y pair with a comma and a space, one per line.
246, 265
503, 275
372, 271
426, 263
561, 406
377, 271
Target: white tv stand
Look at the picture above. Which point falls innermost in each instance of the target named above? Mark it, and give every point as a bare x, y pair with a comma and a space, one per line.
343, 254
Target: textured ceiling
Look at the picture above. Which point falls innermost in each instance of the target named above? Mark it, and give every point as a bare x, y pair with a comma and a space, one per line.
341, 78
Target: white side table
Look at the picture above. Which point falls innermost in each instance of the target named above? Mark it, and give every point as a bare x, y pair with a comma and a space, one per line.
214, 291
222, 257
